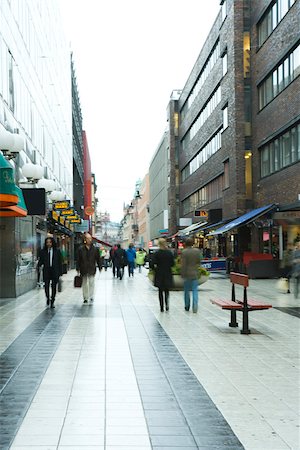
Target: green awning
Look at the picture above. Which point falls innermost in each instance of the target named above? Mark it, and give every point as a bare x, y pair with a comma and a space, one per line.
8, 189
18, 210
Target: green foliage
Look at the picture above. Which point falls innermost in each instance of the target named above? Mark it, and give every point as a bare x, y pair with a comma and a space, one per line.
176, 269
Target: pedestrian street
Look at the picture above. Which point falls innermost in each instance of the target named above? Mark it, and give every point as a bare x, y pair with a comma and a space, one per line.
121, 375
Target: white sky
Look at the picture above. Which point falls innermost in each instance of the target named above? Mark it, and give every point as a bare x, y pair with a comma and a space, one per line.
129, 55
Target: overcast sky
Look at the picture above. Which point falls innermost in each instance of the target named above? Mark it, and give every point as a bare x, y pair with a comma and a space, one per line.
129, 56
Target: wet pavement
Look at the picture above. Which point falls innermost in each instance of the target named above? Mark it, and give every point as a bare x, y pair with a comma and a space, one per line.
120, 375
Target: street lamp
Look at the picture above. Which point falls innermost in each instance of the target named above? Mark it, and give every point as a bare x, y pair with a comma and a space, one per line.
48, 185
11, 144
33, 172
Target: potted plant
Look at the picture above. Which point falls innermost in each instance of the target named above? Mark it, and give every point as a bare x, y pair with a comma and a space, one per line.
178, 281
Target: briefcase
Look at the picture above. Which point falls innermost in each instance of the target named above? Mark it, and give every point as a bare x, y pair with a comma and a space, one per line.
77, 281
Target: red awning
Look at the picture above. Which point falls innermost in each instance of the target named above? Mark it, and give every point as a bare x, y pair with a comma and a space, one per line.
102, 242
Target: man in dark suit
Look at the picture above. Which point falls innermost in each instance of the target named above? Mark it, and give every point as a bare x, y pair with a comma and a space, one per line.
51, 260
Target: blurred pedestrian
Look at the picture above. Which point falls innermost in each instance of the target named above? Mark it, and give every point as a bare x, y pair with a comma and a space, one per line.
131, 254
190, 264
88, 258
287, 265
120, 259
162, 262
51, 260
296, 268
106, 260
112, 258
140, 258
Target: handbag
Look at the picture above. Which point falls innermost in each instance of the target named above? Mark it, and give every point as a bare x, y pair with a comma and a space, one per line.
283, 284
59, 285
78, 281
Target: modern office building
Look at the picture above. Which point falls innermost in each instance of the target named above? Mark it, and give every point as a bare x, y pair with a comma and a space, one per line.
35, 103
239, 125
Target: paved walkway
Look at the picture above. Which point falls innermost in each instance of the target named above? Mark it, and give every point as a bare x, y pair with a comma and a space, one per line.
120, 375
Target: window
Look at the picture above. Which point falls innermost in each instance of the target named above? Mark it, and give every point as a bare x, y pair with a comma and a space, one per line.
224, 10
211, 147
281, 152
280, 78
225, 117
224, 63
226, 175
272, 17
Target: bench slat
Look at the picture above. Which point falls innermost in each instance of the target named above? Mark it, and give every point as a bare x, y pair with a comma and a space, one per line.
227, 304
255, 303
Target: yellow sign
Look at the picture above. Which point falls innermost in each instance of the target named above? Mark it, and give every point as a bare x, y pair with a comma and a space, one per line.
62, 220
55, 215
67, 212
62, 205
201, 213
72, 217
75, 221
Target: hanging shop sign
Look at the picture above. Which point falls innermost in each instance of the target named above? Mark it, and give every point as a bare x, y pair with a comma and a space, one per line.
89, 210
61, 220
201, 213
75, 220
8, 189
67, 212
18, 210
65, 204
55, 216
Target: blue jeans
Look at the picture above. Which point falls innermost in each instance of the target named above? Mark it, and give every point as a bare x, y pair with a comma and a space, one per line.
130, 268
191, 285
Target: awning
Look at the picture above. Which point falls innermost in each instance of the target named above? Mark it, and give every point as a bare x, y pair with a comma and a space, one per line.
195, 226
243, 220
18, 210
102, 242
209, 226
8, 189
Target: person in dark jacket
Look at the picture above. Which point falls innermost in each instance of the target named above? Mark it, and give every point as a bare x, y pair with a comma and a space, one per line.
88, 258
112, 258
120, 259
162, 262
51, 260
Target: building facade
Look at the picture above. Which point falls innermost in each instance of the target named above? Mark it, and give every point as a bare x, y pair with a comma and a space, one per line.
35, 102
239, 115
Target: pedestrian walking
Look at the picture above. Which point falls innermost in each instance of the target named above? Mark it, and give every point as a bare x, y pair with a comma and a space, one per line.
140, 258
296, 269
286, 266
106, 260
190, 263
51, 260
112, 258
120, 259
131, 254
162, 262
88, 258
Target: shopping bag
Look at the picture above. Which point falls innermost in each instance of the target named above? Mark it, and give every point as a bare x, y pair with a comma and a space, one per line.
77, 281
283, 284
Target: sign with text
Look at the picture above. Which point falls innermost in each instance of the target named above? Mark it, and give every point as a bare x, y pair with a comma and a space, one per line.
67, 212
65, 204
201, 213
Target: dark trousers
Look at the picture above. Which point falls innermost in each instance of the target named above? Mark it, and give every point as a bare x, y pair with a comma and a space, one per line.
161, 299
114, 269
120, 272
50, 276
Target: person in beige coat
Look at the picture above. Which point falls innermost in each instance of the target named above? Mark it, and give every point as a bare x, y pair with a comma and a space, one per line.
190, 263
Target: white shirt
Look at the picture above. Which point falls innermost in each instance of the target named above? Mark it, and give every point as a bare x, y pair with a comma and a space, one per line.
50, 252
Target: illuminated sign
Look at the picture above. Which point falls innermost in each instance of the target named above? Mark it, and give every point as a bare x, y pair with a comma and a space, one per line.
201, 213
55, 215
68, 212
62, 205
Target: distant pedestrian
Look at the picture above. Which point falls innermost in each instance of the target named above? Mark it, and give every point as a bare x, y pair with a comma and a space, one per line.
296, 268
287, 265
140, 258
190, 263
112, 258
131, 254
162, 262
51, 260
88, 258
106, 260
120, 259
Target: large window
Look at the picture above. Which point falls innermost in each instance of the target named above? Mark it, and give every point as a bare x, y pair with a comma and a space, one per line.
207, 68
281, 152
279, 78
209, 193
211, 147
271, 18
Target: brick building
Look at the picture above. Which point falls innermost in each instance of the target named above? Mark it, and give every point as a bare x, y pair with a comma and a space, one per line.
240, 100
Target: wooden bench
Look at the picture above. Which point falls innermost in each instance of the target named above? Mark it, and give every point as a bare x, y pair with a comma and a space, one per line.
244, 305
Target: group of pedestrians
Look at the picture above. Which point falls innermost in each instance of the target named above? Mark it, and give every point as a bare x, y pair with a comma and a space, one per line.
162, 261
